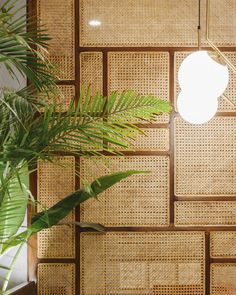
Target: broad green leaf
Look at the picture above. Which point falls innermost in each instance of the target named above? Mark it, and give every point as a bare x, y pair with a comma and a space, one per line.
60, 210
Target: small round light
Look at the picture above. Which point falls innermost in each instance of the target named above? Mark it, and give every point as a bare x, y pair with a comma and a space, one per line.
95, 23
201, 73
195, 108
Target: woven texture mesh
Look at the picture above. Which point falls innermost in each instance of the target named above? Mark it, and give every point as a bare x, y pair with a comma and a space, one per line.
54, 183
223, 244
230, 92
58, 18
143, 72
56, 279
142, 263
223, 279
189, 213
139, 23
91, 71
146, 200
205, 158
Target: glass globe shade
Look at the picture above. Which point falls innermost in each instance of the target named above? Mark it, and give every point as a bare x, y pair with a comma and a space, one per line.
195, 108
199, 72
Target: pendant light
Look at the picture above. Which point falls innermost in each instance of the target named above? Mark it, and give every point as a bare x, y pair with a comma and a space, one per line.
202, 79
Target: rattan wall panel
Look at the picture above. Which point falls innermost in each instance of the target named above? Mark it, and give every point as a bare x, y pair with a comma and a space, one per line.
223, 244
206, 213
230, 92
91, 71
146, 200
54, 183
205, 158
142, 263
56, 279
223, 279
58, 18
139, 23
143, 72
155, 139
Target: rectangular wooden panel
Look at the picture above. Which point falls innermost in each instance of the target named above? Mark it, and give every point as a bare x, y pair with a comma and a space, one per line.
139, 200
56, 279
57, 16
54, 183
223, 244
142, 263
230, 92
148, 23
191, 213
223, 279
91, 71
144, 72
205, 158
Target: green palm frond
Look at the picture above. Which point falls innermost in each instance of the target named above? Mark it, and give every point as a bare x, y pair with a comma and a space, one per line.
19, 47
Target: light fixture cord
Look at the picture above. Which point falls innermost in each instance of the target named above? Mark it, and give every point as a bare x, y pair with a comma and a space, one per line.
199, 25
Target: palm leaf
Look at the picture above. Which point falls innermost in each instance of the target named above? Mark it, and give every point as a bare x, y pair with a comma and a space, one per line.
60, 210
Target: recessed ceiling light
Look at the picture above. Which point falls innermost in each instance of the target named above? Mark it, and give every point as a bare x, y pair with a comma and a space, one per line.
95, 23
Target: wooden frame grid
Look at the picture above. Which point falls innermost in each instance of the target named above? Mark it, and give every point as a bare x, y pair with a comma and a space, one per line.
32, 257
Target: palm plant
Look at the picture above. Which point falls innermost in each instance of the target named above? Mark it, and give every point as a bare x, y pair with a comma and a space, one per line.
27, 134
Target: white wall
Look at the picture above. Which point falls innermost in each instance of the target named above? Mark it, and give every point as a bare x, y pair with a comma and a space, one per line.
20, 271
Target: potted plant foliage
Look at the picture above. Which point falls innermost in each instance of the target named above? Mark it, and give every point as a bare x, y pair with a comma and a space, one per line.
33, 128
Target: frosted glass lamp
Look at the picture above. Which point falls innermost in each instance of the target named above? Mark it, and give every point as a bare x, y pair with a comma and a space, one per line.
196, 108
200, 72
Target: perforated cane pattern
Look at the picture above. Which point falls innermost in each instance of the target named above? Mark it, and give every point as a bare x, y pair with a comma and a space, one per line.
142, 263
205, 158
146, 200
57, 16
223, 244
223, 279
54, 183
143, 72
56, 279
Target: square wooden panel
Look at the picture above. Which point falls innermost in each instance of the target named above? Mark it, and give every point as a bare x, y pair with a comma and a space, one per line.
140, 200
142, 263
230, 92
57, 16
91, 71
192, 213
223, 244
138, 23
56, 279
54, 183
223, 279
205, 158
144, 72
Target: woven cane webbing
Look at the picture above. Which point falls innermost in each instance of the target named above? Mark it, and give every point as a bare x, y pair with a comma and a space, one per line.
223, 244
223, 279
205, 158
177, 290
58, 18
56, 279
188, 213
155, 139
91, 72
230, 92
54, 183
139, 263
139, 23
222, 22
143, 72
138, 200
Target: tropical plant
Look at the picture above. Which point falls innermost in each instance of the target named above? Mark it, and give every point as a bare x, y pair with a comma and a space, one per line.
33, 127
